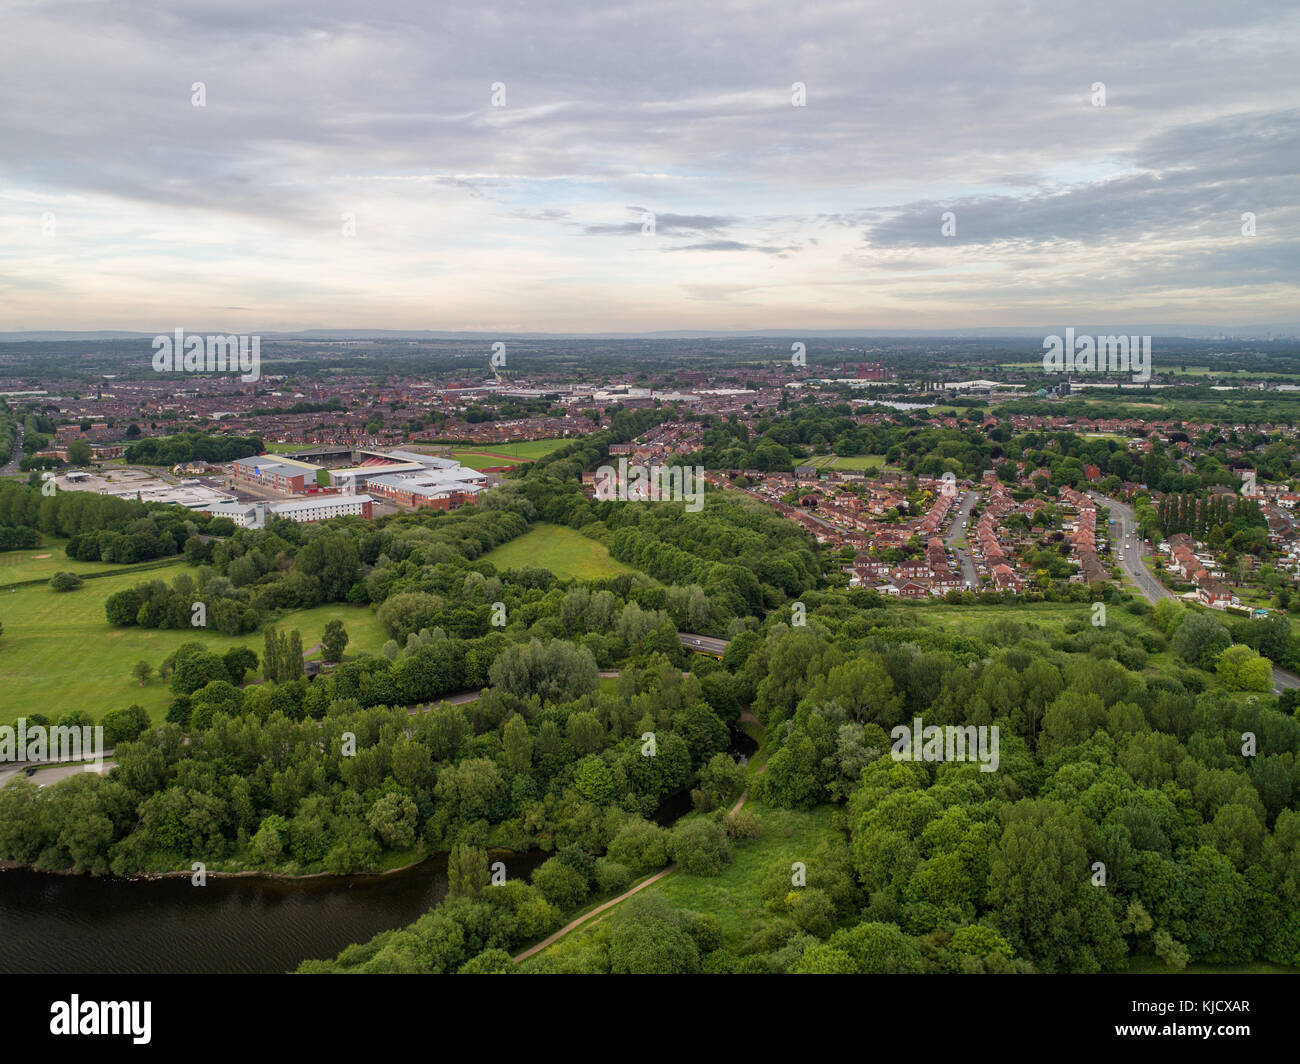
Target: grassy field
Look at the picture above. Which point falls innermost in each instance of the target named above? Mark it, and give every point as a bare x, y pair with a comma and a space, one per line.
834, 461
43, 562
525, 449
59, 653
971, 620
563, 551
785, 836
479, 460
489, 455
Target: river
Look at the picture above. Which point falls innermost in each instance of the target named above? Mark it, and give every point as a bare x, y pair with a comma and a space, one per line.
66, 925
63, 925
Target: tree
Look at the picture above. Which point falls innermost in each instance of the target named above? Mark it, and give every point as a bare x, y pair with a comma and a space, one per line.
1039, 891
268, 844
142, 670
124, 725
561, 884
640, 845
556, 671
489, 962
79, 453
334, 640
1167, 614
1242, 669
393, 819
1199, 640
238, 661
593, 780
122, 607
332, 559
62, 581
270, 654
467, 870
721, 781
648, 937
878, 949
292, 663
517, 745
197, 670
825, 959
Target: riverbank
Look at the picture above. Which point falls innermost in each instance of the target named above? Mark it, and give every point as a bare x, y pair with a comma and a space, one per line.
251, 873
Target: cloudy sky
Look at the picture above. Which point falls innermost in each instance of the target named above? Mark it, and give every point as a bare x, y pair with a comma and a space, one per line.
595, 167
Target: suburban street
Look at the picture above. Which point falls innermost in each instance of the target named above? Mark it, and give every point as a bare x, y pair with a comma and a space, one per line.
1125, 539
958, 529
1124, 535
11, 466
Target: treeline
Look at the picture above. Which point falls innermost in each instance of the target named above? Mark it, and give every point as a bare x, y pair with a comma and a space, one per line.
99, 527
1196, 515
542, 759
193, 446
8, 432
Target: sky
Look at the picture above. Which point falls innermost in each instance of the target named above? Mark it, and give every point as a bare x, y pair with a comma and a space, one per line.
559, 167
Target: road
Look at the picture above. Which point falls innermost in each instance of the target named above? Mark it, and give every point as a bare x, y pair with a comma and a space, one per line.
958, 529
11, 466
1135, 551
705, 644
1126, 540
46, 776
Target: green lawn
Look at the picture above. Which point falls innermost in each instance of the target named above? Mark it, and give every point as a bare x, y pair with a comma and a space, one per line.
563, 551
478, 460
59, 653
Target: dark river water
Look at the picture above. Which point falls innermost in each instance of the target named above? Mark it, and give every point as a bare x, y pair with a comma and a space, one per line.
66, 925
77, 924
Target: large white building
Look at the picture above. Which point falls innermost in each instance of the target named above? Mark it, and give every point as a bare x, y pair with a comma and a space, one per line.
319, 508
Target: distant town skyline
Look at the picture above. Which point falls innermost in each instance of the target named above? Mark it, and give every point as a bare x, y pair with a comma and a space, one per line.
643, 169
